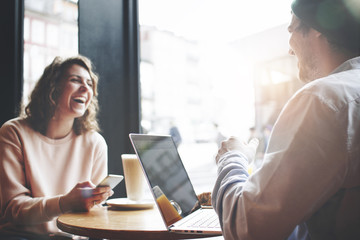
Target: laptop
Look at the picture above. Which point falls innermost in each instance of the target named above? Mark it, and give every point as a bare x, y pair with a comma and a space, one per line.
166, 175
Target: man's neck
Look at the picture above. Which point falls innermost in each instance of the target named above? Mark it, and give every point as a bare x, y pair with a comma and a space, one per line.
334, 62
330, 58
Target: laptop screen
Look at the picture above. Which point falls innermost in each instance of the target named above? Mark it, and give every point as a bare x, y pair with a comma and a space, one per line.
164, 168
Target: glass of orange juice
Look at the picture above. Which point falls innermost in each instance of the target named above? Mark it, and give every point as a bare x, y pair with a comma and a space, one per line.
170, 210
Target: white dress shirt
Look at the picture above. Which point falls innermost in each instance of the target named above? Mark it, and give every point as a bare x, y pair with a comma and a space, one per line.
309, 184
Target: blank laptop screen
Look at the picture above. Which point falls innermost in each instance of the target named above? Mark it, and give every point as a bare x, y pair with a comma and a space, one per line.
164, 168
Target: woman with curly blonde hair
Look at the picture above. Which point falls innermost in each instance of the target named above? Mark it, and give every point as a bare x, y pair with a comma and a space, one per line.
46, 94
52, 157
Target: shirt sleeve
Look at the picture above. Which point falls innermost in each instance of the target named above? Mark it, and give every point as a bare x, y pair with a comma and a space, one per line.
17, 204
301, 170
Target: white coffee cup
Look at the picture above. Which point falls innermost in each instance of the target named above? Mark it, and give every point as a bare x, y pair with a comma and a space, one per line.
134, 177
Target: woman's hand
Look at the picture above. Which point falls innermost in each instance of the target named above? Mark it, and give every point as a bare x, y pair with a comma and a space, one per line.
83, 197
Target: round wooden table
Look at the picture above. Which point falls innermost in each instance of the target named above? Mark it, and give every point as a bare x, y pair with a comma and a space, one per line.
105, 222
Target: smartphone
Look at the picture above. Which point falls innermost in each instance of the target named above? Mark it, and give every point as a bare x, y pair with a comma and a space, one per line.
111, 180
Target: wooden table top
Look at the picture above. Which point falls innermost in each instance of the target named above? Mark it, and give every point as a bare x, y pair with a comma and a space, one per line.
104, 222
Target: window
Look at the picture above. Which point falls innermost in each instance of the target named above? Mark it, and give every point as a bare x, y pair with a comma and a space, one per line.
202, 64
50, 30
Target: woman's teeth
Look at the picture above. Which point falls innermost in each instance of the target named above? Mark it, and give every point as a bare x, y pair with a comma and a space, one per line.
80, 100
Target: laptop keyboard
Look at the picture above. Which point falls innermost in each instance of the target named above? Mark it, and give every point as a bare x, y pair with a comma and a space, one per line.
204, 219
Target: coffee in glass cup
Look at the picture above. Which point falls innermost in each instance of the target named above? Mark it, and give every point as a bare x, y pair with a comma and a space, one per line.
134, 177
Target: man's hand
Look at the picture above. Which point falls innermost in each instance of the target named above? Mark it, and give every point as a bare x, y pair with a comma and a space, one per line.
233, 143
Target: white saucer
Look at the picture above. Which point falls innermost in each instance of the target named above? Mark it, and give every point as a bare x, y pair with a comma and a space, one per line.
125, 203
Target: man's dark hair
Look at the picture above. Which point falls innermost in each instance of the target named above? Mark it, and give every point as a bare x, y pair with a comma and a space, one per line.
337, 20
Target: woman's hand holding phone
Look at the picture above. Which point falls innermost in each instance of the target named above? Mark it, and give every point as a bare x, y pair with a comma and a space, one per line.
86, 195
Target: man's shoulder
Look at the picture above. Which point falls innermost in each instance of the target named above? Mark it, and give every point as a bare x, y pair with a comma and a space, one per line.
338, 89
347, 74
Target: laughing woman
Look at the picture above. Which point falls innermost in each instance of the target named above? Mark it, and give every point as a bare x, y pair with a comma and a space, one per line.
51, 154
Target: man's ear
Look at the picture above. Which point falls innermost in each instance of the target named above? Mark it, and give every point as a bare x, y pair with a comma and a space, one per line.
318, 34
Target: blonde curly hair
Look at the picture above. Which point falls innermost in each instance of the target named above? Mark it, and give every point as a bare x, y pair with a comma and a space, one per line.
43, 99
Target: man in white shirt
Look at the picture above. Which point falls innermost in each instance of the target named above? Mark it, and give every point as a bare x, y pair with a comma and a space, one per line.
309, 184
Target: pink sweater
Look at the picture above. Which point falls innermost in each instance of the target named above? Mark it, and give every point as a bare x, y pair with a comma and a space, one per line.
35, 171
